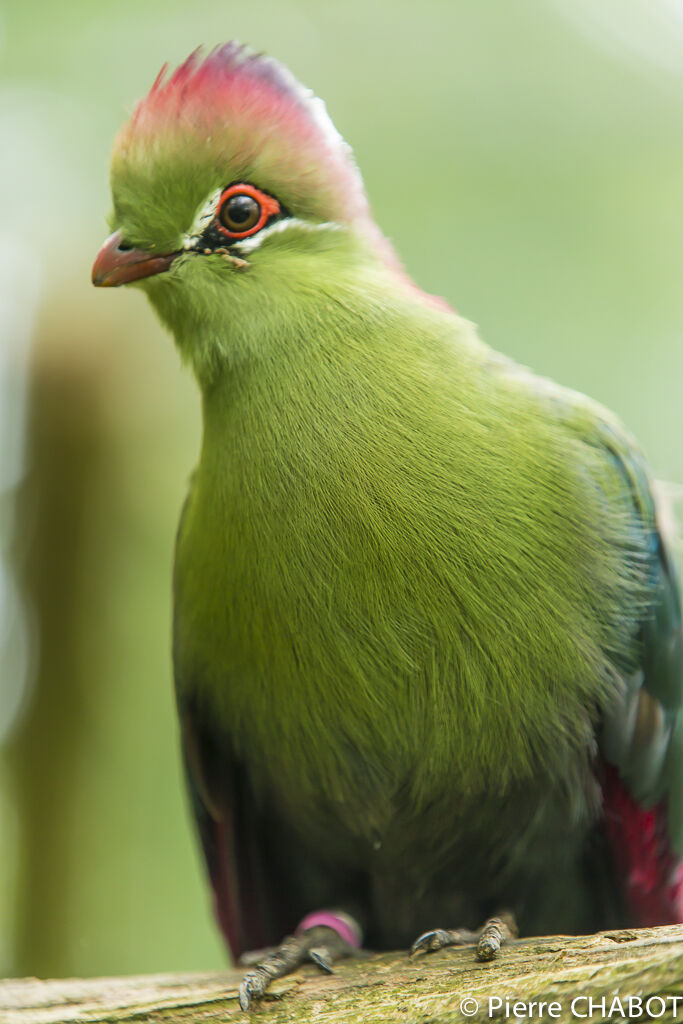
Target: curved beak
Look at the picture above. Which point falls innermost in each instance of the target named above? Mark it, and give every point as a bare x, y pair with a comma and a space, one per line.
116, 264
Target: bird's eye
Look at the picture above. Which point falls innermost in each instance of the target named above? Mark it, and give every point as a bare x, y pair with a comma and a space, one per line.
243, 210
240, 213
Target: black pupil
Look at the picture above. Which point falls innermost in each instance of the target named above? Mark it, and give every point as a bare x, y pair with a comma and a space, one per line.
242, 209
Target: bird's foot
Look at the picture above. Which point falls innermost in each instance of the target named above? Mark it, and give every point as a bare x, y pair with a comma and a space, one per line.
489, 938
322, 938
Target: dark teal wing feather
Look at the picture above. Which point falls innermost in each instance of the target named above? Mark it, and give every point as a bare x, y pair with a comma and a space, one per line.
641, 741
639, 728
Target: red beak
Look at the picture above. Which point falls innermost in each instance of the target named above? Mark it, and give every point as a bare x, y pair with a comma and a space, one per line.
115, 265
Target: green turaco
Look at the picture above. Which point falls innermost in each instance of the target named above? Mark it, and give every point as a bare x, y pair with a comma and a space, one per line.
427, 635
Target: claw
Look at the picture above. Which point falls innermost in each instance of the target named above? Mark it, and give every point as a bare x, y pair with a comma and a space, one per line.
489, 939
495, 932
321, 958
487, 949
252, 985
428, 942
321, 945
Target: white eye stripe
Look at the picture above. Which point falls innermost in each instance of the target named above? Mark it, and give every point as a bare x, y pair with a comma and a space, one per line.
208, 211
245, 245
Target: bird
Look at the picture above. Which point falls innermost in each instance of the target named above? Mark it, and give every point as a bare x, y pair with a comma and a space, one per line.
427, 628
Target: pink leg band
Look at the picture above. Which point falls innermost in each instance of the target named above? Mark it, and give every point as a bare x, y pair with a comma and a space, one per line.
344, 925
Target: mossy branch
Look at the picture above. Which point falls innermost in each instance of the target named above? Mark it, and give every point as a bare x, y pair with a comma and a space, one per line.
643, 964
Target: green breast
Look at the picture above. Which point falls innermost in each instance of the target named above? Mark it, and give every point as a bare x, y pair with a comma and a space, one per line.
397, 580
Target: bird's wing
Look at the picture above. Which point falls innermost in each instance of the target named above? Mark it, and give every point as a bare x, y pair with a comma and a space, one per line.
641, 740
642, 745
234, 833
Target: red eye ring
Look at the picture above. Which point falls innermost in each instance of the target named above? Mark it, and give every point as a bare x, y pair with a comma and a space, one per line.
267, 207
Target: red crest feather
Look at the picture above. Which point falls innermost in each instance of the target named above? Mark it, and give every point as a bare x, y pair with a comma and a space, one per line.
257, 114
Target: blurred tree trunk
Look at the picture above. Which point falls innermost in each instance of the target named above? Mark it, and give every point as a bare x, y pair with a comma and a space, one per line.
48, 750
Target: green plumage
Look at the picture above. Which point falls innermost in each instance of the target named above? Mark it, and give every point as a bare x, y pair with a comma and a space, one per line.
402, 548
410, 575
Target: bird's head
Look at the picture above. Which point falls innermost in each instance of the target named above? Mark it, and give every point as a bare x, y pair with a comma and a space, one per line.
232, 189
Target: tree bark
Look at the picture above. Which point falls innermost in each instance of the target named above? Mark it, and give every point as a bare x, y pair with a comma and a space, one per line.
628, 974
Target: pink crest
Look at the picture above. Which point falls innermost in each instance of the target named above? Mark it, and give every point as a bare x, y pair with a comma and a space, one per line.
254, 110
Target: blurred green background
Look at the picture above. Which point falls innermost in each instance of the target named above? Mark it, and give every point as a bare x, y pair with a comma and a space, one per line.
527, 160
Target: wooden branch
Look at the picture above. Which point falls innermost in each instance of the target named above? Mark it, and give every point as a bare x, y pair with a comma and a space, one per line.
439, 988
